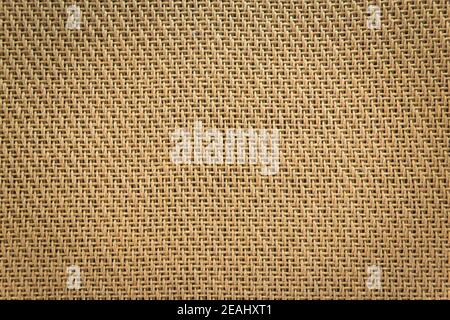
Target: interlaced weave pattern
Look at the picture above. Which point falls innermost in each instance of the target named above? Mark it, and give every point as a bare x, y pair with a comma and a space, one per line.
86, 118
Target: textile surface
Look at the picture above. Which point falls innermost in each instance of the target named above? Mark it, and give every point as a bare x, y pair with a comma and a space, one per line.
86, 118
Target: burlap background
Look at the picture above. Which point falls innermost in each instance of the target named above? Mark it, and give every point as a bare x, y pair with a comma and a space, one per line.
86, 176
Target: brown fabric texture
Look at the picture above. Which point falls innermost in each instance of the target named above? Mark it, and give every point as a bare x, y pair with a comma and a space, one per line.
86, 175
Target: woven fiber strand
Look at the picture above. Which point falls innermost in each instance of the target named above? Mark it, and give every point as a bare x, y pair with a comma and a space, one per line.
87, 179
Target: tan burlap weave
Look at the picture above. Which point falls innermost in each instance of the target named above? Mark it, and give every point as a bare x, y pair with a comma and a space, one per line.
86, 176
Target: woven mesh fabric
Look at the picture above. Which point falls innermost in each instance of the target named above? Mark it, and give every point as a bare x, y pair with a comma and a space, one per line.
86, 177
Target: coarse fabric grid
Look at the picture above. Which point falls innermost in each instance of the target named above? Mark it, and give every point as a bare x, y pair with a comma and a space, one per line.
87, 179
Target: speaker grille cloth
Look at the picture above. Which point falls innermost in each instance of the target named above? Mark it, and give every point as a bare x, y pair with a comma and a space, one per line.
87, 178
